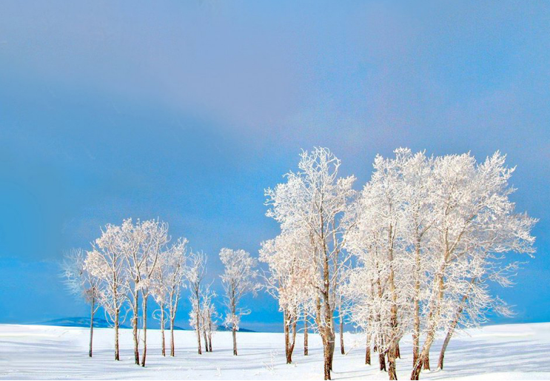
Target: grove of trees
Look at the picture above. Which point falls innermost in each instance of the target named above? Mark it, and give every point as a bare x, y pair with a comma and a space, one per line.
415, 252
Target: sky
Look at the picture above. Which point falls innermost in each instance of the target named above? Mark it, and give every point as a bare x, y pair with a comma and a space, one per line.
187, 111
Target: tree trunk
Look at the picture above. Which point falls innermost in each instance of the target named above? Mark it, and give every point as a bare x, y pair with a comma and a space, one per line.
144, 312
92, 312
326, 357
453, 326
427, 361
172, 347
367, 351
117, 351
342, 350
306, 343
135, 328
198, 327
234, 340
205, 340
210, 341
287, 338
392, 372
382, 361
162, 331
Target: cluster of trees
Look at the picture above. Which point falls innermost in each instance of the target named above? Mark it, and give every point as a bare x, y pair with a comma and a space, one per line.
131, 263
412, 253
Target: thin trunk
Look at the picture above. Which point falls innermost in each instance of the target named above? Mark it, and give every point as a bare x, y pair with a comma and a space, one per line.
367, 351
162, 330
453, 326
117, 350
172, 347
397, 351
306, 344
205, 340
235, 340
392, 373
135, 328
342, 350
92, 312
144, 312
287, 338
210, 341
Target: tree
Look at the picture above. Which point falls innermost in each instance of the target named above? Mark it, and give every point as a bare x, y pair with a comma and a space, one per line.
286, 281
195, 275
166, 283
474, 218
208, 315
81, 282
106, 263
140, 245
316, 199
238, 279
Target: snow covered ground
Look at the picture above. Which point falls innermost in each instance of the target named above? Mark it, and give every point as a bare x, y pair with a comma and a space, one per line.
518, 351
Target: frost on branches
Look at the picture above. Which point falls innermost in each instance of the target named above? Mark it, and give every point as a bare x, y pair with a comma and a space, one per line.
429, 234
312, 203
239, 278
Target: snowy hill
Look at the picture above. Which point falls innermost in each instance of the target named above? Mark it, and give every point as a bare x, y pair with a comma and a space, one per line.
501, 352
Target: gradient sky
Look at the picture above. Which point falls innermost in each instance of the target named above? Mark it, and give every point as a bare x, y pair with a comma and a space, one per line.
187, 111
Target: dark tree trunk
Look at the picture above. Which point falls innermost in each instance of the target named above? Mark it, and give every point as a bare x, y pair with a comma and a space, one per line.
135, 328
172, 346
162, 331
92, 312
342, 349
117, 350
427, 362
382, 361
306, 343
144, 312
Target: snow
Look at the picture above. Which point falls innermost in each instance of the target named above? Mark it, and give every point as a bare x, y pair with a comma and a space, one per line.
503, 352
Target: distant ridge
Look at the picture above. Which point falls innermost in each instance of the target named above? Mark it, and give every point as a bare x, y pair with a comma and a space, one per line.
102, 323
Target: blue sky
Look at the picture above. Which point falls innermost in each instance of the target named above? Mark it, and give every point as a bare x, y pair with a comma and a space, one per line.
187, 111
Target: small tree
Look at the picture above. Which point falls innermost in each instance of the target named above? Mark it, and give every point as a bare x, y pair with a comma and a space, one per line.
81, 282
238, 279
195, 275
106, 263
166, 283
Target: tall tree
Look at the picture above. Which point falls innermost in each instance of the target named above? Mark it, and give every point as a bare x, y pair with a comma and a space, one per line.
315, 198
107, 264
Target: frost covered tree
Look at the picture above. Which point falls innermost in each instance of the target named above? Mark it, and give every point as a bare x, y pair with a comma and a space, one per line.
140, 244
475, 217
166, 283
208, 316
427, 235
107, 264
82, 283
287, 280
195, 275
315, 199
239, 278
